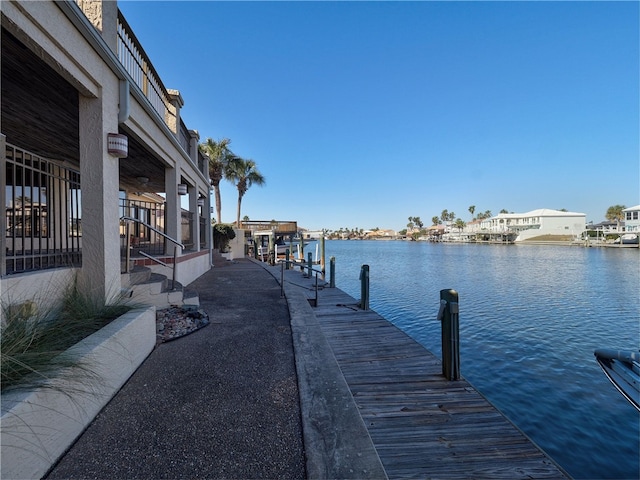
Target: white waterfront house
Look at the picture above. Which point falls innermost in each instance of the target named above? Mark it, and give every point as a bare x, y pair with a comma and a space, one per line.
632, 219
95, 158
537, 223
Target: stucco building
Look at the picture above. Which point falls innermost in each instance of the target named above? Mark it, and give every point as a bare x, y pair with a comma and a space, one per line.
88, 128
632, 219
537, 223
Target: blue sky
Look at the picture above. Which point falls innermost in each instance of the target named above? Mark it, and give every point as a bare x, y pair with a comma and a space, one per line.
361, 114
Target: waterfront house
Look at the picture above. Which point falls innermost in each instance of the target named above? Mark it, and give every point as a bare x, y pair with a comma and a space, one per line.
95, 155
537, 224
606, 227
632, 219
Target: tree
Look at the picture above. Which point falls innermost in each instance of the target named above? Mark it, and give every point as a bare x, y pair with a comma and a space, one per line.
415, 222
472, 209
222, 233
460, 224
615, 213
435, 220
444, 216
218, 154
485, 214
504, 210
243, 174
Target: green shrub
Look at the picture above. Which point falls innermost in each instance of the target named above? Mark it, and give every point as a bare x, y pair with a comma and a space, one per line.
222, 233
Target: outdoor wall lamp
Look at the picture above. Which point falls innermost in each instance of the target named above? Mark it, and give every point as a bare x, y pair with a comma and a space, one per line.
117, 145
201, 202
182, 189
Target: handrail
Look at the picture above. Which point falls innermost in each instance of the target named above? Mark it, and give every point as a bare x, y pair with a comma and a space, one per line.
175, 249
154, 229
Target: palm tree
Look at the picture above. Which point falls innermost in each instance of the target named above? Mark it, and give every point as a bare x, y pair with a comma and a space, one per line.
218, 154
435, 220
472, 209
615, 213
242, 173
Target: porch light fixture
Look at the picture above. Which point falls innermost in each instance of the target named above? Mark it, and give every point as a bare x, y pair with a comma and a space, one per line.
182, 189
117, 145
143, 180
201, 202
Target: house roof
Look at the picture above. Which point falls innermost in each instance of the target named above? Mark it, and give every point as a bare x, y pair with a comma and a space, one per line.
632, 209
541, 212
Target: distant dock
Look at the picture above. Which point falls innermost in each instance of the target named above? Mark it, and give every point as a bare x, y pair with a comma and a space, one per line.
420, 424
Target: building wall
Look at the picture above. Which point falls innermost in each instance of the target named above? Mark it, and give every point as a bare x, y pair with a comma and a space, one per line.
632, 219
47, 31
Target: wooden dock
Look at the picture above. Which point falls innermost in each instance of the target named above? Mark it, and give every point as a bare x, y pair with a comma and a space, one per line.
421, 425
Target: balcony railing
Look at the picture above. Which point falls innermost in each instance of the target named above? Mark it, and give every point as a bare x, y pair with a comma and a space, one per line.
135, 61
184, 138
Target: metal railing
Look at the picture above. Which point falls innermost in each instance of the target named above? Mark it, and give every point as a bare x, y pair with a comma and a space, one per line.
137, 64
42, 211
184, 137
177, 244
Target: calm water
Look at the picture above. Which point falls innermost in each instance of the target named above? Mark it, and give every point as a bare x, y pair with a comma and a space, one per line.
530, 319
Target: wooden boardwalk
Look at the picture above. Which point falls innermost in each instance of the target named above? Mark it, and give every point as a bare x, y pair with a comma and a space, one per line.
421, 425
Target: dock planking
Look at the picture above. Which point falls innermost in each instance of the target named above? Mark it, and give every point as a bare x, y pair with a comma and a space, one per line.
421, 425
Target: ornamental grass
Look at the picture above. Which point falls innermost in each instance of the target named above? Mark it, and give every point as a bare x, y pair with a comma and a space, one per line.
34, 342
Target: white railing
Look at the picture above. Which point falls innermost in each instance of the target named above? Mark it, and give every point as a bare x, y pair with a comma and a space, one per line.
135, 61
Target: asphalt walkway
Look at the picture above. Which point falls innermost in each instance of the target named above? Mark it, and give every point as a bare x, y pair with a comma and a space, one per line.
222, 402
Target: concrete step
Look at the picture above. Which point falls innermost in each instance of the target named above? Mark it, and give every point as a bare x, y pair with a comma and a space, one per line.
144, 287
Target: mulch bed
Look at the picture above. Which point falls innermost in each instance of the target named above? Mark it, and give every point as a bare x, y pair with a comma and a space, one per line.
175, 322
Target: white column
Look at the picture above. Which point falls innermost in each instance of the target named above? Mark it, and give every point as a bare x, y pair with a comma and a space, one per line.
172, 209
194, 228
99, 180
3, 203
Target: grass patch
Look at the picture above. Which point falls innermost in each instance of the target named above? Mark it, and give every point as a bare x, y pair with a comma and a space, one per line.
34, 344
551, 238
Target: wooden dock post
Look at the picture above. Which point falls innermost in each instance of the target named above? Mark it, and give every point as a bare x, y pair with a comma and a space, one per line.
364, 287
286, 258
449, 315
309, 264
332, 272
322, 262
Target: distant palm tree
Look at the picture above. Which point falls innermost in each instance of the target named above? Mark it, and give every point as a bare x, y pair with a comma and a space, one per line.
615, 213
472, 209
484, 215
435, 220
242, 173
218, 154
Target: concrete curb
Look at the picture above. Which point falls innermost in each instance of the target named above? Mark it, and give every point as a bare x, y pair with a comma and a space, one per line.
336, 441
